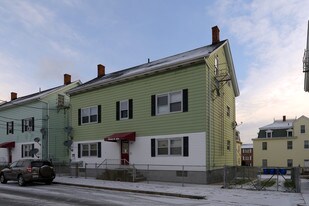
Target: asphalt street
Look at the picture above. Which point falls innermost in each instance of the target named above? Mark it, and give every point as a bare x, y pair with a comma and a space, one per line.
56, 194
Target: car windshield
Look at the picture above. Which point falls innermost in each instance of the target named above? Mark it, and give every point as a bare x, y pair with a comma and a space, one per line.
40, 163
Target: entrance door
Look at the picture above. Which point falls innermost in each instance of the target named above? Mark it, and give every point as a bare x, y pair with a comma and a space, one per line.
124, 152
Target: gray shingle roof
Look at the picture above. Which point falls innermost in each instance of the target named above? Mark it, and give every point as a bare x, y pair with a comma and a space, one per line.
185, 58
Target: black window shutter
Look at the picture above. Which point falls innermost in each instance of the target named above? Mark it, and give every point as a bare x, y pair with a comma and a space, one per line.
153, 105
79, 117
99, 113
130, 108
32, 148
153, 147
12, 127
32, 123
7, 128
186, 146
22, 151
185, 100
22, 126
79, 150
117, 110
99, 149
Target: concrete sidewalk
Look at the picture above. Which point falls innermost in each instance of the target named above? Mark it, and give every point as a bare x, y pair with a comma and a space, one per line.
212, 194
305, 190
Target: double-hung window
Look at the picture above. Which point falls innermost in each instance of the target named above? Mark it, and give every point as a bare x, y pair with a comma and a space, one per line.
10, 127
216, 66
124, 109
27, 124
264, 145
171, 146
90, 150
289, 145
25, 150
170, 102
89, 115
306, 144
302, 129
176, 146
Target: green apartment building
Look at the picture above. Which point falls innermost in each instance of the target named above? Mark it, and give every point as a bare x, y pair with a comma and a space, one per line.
179, 110
36, 125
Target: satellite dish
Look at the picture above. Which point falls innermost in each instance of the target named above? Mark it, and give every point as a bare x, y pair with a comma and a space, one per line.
43, 130
37, 140
34, 151
68, 143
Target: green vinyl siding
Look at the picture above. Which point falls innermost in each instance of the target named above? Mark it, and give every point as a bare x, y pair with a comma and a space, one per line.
206, 110
221, 126
140, 91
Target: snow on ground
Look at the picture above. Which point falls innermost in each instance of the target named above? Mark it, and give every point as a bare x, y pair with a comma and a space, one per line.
213, 194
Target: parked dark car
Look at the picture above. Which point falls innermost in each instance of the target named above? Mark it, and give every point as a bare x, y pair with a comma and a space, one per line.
28, 170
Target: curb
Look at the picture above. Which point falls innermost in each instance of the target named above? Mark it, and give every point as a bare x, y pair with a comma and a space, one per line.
197, 197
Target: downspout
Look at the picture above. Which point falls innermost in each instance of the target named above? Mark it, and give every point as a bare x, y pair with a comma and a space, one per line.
47, 136
208, 146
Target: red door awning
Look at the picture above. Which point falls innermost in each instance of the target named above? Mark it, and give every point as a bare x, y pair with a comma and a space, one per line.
7, 145
130, 136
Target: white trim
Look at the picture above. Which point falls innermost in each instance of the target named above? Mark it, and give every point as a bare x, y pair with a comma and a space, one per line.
89, 116
168, 94
122, 101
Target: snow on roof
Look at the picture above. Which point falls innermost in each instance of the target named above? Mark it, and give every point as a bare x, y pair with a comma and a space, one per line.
31, 97
279, 124
184, 58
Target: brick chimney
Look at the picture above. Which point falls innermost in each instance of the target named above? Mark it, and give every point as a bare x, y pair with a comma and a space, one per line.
13, 95
284, 118
215, 34
67, 79
101, 70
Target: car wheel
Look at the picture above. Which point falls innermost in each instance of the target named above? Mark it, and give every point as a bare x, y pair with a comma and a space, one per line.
2, 179
21, 180
46, 171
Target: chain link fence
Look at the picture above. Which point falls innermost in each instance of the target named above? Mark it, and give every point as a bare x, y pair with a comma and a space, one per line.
240, 177
258, 178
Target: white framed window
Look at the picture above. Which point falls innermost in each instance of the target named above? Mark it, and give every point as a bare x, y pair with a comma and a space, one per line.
10, 127
60, 101
216, 65
28, 124
124, 109
269, 134
25, 150
89, 150
169, 102
172, 146
289, 133
89, 115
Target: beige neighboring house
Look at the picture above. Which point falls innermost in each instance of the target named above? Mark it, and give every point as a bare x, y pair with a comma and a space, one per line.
284, 143
238, 148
